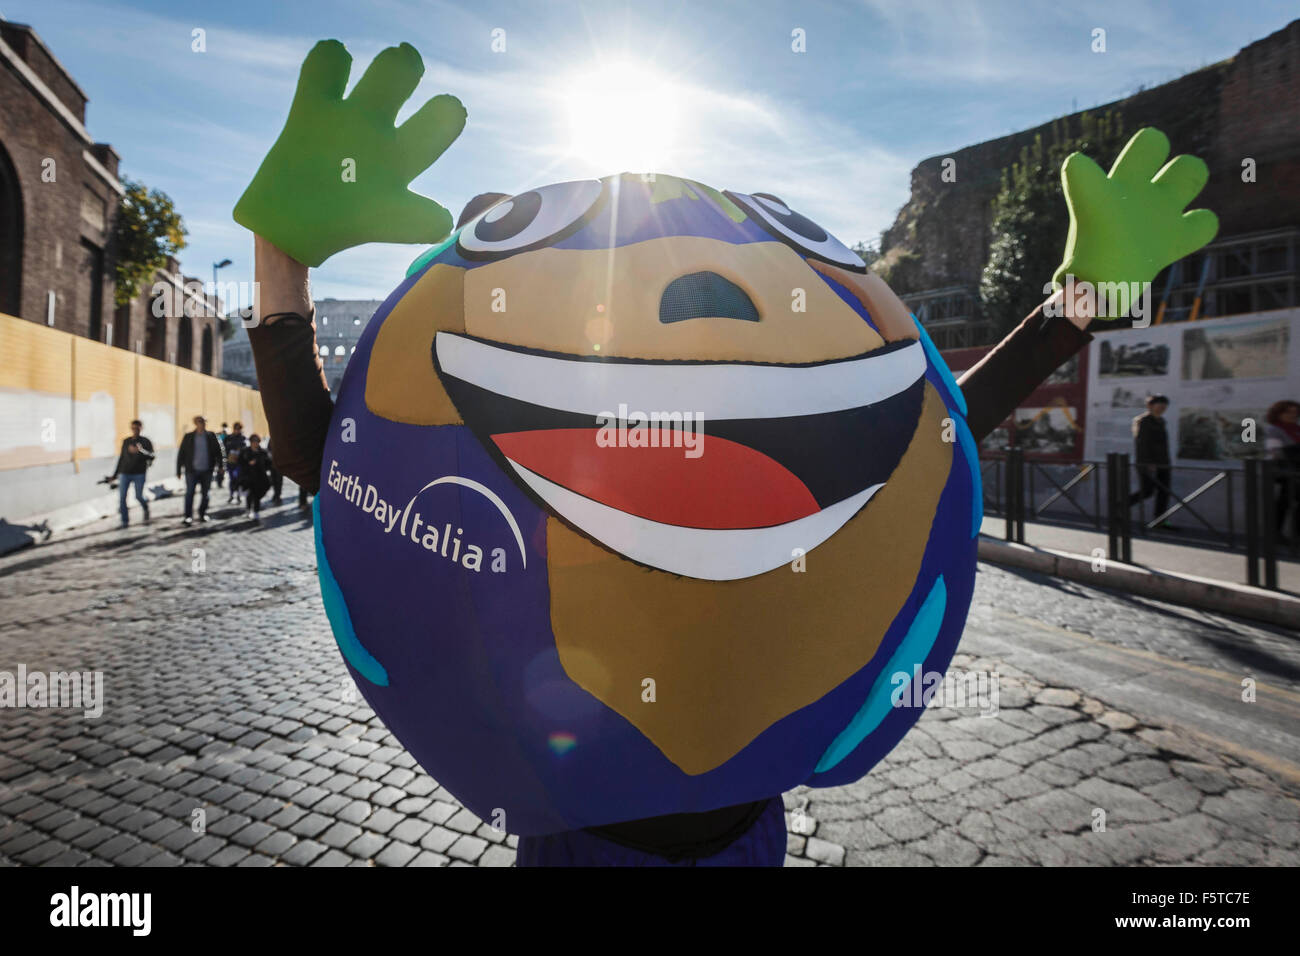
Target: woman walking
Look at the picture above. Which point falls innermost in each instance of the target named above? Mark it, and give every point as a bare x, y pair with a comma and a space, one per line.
1282, 444
255, 474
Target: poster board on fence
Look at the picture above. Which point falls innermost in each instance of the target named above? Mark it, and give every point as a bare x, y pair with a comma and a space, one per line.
1219, 375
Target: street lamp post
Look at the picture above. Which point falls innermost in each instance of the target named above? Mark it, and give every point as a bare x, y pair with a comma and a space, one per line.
215, 266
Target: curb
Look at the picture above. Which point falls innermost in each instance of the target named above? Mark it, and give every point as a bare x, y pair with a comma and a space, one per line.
1271, 607
15, 536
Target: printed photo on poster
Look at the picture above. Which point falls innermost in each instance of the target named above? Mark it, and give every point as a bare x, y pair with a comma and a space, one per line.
1047, 431
1215, 434
1248, 350
1121, 397
1067, 374
997, 440
1140, 359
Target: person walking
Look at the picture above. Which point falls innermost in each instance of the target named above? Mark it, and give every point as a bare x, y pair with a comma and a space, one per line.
1151, 455
132, 462
1282, 444
197, 457
277, 479
221, 463
234, 444
255, 474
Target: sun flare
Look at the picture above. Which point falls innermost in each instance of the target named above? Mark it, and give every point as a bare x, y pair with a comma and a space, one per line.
622, 117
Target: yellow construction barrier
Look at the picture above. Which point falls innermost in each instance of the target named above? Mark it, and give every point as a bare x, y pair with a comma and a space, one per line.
68, 398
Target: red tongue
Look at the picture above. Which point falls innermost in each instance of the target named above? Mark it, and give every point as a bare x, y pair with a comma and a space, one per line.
728, 486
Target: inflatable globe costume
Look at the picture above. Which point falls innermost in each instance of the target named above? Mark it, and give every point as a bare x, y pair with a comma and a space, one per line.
639, 496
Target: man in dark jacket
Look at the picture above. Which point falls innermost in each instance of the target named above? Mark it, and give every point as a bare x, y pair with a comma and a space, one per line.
134, 459
1151, 454
197, 457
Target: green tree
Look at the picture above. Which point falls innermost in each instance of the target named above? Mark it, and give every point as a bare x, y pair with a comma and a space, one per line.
149, 229
1030, 218
868, 252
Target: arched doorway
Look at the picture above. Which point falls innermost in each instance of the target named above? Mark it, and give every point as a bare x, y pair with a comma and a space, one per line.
205, 360
11, 237
185, 342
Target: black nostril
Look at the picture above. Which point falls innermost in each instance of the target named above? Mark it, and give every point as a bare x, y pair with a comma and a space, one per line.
705, 295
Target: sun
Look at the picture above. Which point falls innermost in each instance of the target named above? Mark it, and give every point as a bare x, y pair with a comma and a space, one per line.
622, 117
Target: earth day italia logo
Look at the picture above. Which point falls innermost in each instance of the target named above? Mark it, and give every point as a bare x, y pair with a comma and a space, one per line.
443, 540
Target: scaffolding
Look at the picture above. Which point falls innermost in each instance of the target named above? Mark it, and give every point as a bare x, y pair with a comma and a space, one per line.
950, 316
1256, 272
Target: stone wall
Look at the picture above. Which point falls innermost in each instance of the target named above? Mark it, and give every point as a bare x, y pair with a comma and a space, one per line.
1245, 107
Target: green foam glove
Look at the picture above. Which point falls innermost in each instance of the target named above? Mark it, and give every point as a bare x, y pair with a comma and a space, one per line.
1129, 225
337, 176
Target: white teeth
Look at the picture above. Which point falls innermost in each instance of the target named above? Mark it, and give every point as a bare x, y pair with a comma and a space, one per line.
718, 391
714, 555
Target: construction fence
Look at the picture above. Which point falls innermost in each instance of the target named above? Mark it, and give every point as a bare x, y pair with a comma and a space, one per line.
68, 399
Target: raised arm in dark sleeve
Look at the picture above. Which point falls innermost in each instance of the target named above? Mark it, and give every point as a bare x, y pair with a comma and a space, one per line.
295, 395
1018, 364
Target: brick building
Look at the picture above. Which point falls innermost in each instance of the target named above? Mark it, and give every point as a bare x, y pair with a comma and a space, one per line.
59, 194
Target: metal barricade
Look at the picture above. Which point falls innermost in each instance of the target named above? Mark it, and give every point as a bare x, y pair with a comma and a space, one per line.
1265, 493
1119, 511
1015, 495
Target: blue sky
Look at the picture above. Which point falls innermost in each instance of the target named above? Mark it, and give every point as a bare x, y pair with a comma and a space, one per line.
835, 130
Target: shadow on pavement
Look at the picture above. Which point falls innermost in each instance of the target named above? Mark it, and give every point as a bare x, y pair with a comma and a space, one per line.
1223, 638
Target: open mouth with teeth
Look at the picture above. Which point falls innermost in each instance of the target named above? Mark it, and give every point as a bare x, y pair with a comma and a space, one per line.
750, 465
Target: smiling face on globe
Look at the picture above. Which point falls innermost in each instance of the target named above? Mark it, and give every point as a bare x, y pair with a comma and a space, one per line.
658, 471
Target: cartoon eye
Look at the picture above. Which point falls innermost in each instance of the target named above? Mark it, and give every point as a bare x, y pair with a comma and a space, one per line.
798, 231
531, 220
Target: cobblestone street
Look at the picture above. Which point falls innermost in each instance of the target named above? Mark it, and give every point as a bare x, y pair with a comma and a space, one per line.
225, 693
